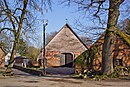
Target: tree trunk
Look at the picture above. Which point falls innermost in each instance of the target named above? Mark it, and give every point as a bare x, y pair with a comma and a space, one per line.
15, 45
107, 59
17, 34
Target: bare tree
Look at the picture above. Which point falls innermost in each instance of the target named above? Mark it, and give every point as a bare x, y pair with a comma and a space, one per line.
5, 41
33, 53
86, 40
93, 32
18, 17
97, 9
50, 36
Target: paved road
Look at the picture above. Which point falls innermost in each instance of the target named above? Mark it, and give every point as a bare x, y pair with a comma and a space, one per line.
54, 73
20, 73
60, 70
26, 80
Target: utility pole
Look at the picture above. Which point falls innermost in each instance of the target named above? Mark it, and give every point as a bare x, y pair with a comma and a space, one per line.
44, 51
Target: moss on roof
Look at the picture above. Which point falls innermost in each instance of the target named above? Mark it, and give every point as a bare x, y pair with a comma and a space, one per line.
124, 36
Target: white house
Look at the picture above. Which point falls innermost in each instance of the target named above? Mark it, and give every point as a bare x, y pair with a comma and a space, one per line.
7, 58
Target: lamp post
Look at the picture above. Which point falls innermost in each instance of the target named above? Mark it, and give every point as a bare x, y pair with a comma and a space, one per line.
44, 51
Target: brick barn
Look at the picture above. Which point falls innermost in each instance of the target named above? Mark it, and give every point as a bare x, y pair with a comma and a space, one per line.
2, 58
121, 53
63, 49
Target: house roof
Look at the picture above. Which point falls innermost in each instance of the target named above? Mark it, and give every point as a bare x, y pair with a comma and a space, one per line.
124, 36
101, 38
75, 34
66, 40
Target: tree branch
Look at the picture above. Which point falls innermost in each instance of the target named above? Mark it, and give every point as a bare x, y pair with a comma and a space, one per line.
25, 2
10, 29
3, 19
9, 14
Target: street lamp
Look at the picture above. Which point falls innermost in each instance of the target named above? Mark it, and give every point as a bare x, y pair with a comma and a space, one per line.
44, 54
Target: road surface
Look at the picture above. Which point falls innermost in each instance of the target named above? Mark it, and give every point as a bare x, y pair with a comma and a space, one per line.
22, 79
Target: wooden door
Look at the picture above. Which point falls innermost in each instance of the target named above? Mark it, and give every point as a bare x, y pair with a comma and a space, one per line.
62, 59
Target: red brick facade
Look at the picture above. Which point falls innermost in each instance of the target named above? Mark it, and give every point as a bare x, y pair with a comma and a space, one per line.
53, 57
2, 58
121, 54
121, 51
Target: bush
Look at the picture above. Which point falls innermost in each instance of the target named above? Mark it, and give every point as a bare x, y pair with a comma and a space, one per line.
100, 77
114, 75
8, 72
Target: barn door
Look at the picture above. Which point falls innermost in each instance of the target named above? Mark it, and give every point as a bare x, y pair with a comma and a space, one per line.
67, 59
62, 59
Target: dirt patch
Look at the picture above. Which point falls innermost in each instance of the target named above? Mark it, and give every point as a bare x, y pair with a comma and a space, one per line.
120, 79
21, 86
65, 81
101, 84
31, 81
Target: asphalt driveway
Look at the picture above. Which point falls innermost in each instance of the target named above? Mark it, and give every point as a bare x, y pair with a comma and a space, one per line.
60, 70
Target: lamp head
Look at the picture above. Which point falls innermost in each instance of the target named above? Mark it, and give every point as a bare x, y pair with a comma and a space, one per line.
45, 23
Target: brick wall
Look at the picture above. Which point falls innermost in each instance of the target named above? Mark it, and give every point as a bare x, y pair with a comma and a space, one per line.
2, 56
53, 57
121, 51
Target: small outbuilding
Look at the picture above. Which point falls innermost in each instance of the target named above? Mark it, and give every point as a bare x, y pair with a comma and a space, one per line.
22, 61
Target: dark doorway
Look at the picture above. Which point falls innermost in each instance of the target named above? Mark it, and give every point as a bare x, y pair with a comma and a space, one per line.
67, 60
